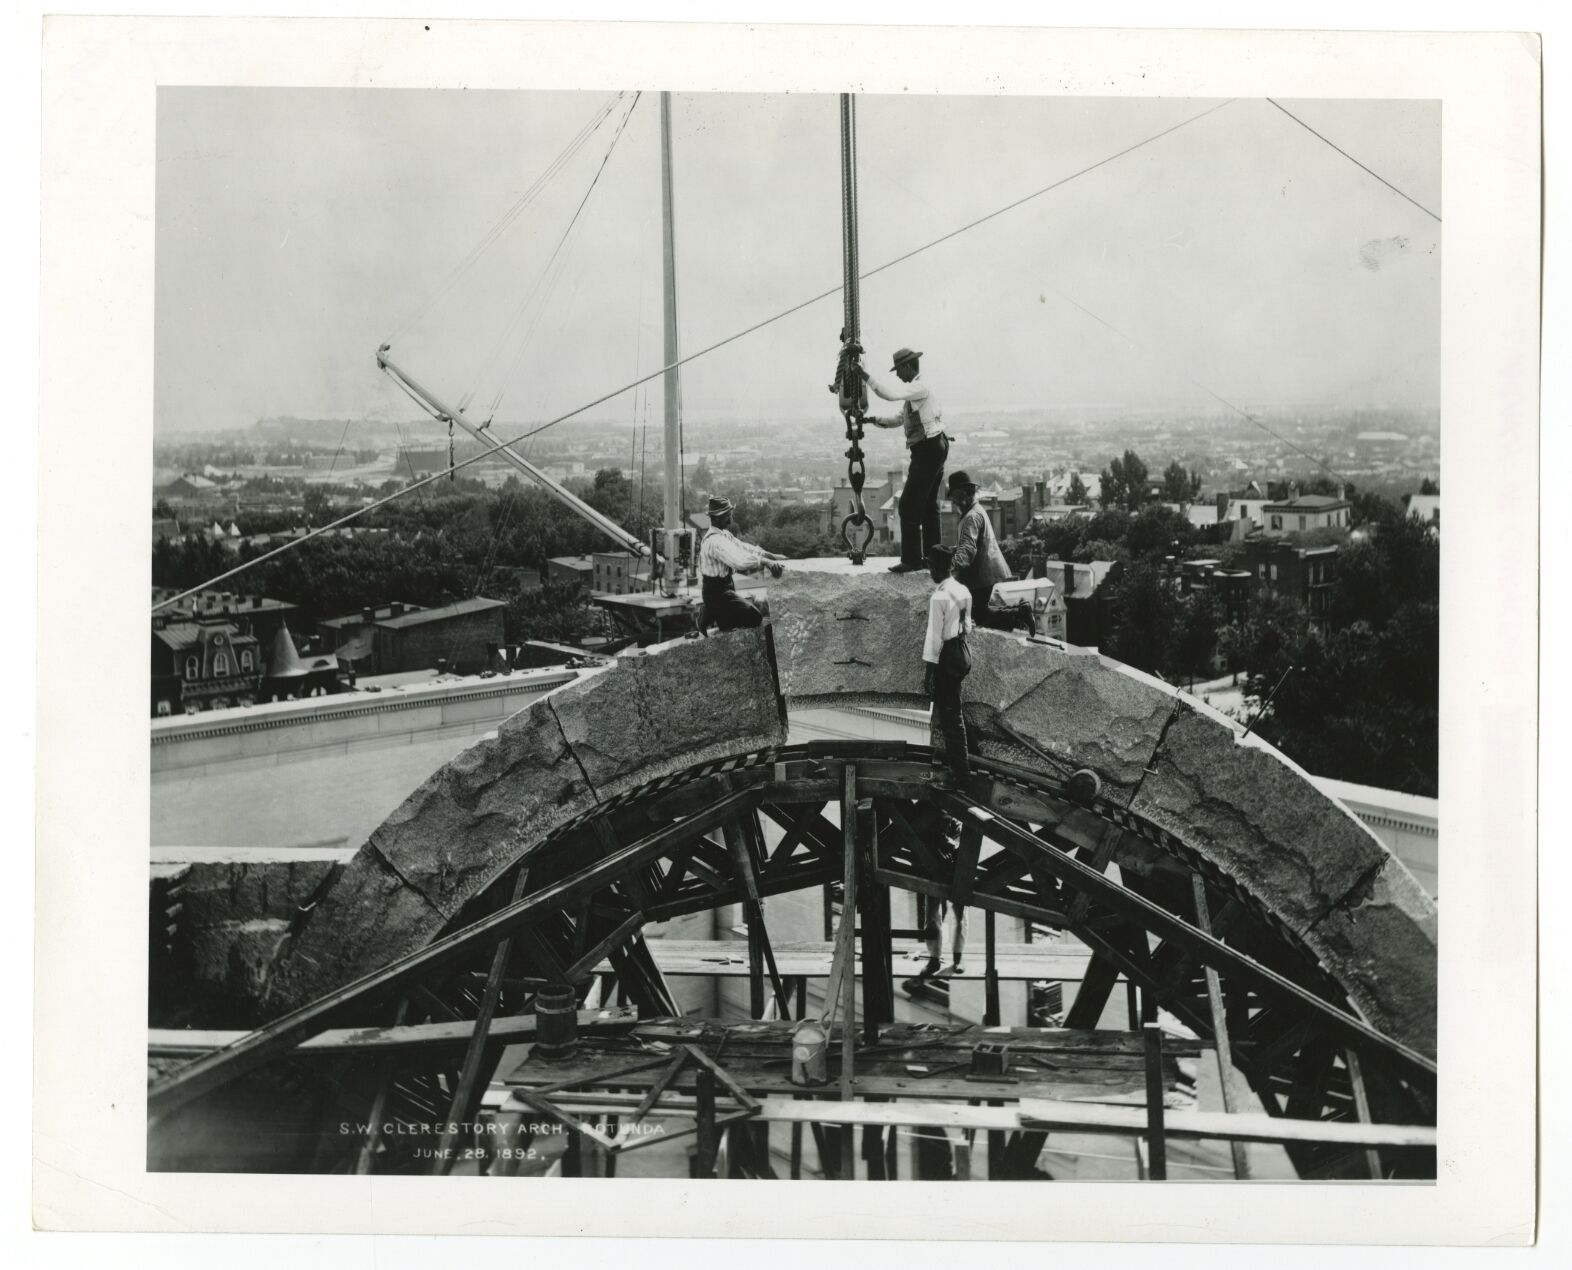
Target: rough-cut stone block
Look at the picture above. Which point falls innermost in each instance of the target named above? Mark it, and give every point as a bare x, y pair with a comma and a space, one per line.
242, 891
638, 720
850, 637
683, 703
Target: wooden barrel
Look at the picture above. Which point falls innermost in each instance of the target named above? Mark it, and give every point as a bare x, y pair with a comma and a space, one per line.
556, 1022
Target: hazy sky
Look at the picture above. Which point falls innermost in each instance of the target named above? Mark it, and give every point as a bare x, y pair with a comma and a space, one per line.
297, 229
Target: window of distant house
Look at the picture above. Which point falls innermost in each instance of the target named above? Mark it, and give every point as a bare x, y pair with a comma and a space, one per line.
1274, 573
245, 661
221, 665
1277, 522
1261, 571
192, 668
1301, 522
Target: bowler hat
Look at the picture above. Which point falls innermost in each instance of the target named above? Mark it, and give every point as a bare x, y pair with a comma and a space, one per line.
959, 480
719, 506
904, 355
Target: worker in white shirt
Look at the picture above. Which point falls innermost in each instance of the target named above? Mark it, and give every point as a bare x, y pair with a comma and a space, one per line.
721, 555
948, 659
928, 446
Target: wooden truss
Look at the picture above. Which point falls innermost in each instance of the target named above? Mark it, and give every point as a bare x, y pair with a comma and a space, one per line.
868, 816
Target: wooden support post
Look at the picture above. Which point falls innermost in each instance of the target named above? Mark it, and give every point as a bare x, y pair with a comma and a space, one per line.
878, 987
796, 1149
802, 997
1092, 996
998, 1165
387, 1070
708, 1138
745, 846
1132, 1004
1156, 1141
991, 985
466, 1097
1223, 1046
844, 951
1362, 1109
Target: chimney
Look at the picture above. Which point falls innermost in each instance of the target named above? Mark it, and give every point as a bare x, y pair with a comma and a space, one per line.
1069, 578
368, 615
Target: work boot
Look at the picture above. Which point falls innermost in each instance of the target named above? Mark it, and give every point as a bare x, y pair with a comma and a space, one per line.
903, 567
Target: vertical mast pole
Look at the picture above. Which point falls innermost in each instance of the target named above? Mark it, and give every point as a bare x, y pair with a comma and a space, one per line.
672, 449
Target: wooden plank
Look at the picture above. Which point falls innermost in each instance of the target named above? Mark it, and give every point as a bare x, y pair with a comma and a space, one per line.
988, 903
1241, 1127
286, 1033
844, 951
412, 1038
1362, 1110
386, 1071
990, 972
1156, 1140
586, 965
1224, 1046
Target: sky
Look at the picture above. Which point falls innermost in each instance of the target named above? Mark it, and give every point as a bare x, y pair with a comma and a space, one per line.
299, 229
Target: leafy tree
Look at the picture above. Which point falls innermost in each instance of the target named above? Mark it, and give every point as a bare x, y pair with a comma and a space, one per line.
1076, 493
1156, 530
1200, 618
162, 510
1146, 618
702, 479
1100, 549
1124, 482
1180, 485
1428, 486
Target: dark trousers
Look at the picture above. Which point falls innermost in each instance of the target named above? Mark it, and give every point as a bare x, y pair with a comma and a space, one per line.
919, 504
951, 723
727, 609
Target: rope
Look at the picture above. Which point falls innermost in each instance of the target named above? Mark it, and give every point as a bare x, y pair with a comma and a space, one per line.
1353, 160
1210, 392
722, 343
556, 251
512, 214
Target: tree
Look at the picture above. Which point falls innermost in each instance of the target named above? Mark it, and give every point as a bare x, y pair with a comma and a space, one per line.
1179, 485
1146, 618
1124, 482
162, 510
701, 478
1156, 530
1428, 486
1076, 494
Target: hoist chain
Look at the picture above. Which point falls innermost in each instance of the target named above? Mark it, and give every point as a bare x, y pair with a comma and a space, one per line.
848, 385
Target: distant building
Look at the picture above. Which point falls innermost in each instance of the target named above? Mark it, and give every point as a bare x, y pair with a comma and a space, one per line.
252, 614
351, 638
1305, 573
209, 663
1087, 611
879, 499
1307, 512
1230, 587
1425, 508
456, 637
1243, 504
620, 573
1050, 512
166, 529
293, 675
578, 570
190, 487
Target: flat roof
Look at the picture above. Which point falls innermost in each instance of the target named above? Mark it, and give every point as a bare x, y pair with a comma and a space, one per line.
477, 605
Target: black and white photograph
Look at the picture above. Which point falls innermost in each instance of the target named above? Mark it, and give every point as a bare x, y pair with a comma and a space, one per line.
852, 634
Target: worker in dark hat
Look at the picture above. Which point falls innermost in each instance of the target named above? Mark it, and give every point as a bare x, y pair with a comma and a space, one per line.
979, 564
928, 447
722, 555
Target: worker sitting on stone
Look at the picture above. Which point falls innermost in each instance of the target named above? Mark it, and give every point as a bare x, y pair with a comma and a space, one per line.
978, 564
721, 555
948, 659
929, 447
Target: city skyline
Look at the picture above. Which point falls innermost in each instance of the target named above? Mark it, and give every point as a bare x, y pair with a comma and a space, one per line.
296, 228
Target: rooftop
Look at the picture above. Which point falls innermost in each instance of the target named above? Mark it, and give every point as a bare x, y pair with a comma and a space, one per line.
477, 605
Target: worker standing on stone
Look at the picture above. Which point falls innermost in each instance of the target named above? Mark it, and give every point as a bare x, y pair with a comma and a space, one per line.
928, 447
948, 659
722, 555
979, 564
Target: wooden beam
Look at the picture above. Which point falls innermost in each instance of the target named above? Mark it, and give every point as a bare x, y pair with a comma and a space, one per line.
1156, 1140
1223, 1045
1362, 1110
1091, 998
585, 965
1209, 950
285, 1033
386, 1070
460, 1108
844, 952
